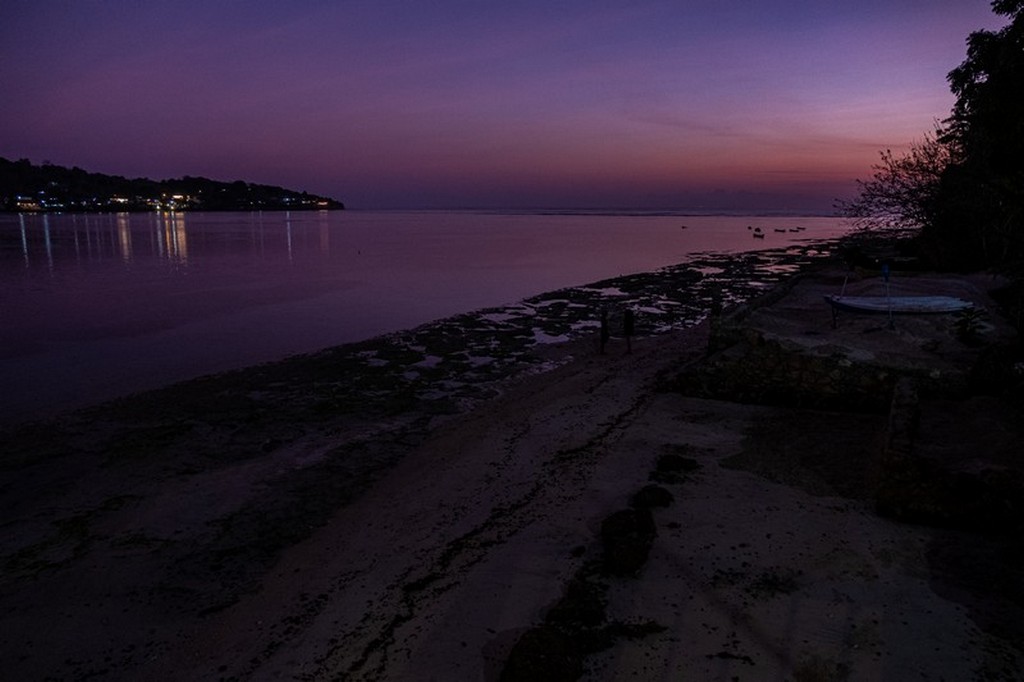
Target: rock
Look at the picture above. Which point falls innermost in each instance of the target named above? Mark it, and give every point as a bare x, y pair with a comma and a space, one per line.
651, 496
543, 654
582, 606
627, 536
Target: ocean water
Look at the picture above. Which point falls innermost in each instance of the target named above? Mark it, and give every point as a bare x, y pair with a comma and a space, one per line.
97, 306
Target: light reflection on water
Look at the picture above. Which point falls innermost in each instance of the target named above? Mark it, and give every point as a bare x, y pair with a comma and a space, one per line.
59, 240
98, 305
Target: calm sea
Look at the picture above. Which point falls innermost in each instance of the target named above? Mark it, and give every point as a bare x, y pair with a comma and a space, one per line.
96, 306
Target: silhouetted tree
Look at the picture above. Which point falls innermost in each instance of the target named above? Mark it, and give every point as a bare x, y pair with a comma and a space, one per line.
963, 186
981, 210
903, 192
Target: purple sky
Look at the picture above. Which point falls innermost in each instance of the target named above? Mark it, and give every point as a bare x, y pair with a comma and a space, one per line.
469, 103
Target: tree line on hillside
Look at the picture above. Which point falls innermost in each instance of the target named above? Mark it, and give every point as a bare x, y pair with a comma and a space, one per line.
962, 188
28, 187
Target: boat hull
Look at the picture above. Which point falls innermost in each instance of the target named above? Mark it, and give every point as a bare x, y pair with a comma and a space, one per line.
906, 305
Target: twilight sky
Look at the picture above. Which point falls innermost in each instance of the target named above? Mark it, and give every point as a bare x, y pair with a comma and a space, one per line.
767, 104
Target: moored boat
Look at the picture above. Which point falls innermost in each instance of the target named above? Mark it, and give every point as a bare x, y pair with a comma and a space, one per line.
915, 305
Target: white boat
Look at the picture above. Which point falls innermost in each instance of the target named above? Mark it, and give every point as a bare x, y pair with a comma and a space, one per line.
916, 305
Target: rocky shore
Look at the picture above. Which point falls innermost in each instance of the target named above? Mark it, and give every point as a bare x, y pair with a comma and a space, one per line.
757, 494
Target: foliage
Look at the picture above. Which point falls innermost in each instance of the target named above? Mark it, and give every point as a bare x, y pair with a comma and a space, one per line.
25, 186
969, 324
982, 210
903, 192
963, 186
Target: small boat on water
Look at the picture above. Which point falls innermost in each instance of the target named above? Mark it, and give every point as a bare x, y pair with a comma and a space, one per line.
780, 229
903, 305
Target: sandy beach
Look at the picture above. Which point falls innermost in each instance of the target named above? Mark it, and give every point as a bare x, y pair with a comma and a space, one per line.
571, 515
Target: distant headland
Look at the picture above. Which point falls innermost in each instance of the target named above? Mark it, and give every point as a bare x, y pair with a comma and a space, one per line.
49, 188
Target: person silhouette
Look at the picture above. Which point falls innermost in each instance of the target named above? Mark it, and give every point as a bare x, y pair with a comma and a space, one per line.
628, 327
605, 334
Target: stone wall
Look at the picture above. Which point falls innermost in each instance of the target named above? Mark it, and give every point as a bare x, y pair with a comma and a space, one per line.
771, 371
747, 365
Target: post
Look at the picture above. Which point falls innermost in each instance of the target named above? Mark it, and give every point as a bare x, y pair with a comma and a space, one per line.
605, 335
888, 299
628, 328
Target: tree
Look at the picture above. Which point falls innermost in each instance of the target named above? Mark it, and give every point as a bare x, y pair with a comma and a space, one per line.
963, 186
983, 192
903, 192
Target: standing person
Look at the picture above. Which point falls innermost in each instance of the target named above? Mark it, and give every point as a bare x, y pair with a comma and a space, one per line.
605, 334
628, 324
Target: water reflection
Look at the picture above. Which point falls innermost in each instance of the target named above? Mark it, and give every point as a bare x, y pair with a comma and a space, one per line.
172, 237
288, 233
24, 239
49, 243
325, 232
124, 237
52, 242
59, 240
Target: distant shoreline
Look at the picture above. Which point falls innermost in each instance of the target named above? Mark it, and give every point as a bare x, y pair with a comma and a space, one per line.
109, 211
47, 188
